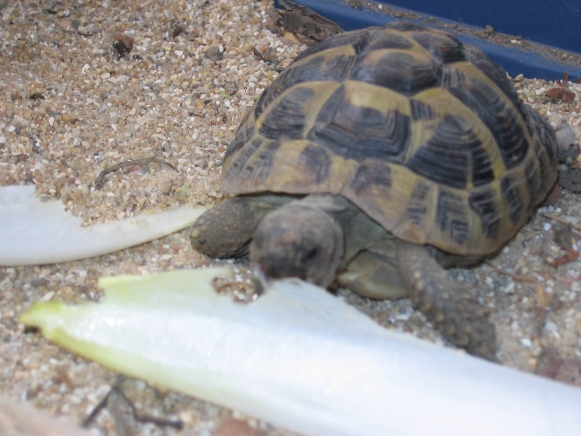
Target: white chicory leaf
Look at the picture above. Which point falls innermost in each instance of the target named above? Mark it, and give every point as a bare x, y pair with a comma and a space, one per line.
303, 359
34, 232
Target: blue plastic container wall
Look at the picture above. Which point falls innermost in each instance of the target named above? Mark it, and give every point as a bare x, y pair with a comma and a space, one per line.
551, 22
553, 25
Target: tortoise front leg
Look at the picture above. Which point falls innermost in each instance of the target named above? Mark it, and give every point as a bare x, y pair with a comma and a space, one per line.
373, 274
451, 309
226, 229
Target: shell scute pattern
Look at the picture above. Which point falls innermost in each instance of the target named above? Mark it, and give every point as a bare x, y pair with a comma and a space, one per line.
486, 204
450, 156
244, 133
358, 131
259, 164
317, 161
286, 120
419, 212
457, 139
404, 71
535, 181
496, 74
451, 217
543, 144
386, 41
512, 189
425, 135
370, 174
357, 40
422, 111
333, 67
495, 110
445, 48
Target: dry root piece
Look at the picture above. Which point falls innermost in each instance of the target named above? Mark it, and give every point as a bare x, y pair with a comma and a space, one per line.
560, 91
576, 226
544, 299
100, 180
570, 255
308, 26
268, 55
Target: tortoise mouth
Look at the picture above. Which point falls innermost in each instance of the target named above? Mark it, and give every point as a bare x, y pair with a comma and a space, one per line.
263, 278
260, 281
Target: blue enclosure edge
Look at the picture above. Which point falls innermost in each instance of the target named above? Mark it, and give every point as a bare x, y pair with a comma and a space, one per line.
554, 23
515, 61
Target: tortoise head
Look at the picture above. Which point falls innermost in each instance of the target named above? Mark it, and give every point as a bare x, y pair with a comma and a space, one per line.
297, 241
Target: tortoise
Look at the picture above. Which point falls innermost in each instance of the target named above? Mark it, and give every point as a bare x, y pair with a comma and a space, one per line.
377, 159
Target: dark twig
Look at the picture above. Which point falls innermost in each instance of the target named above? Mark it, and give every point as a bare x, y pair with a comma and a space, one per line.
100, 180
116, 390
85, 34
100, 406
177, 424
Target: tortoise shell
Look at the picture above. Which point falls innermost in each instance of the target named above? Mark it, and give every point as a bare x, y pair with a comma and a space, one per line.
424, 134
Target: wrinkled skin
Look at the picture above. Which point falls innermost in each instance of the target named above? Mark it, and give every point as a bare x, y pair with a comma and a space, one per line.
325, 239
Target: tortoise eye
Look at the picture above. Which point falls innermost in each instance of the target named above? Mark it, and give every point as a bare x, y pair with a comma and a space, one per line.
311, 254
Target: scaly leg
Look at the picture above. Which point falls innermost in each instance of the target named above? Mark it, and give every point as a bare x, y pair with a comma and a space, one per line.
373, 275
226, 229
447, 304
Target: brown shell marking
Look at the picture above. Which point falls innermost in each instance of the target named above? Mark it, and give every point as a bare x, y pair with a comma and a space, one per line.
425, 135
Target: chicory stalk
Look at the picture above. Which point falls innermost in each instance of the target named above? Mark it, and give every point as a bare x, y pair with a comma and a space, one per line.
34, 232
303, 359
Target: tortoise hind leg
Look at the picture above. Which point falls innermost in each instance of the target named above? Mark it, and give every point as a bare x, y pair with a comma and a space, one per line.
448, 305
226, 229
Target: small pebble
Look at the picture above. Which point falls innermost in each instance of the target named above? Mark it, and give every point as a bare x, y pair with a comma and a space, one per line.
214, 53
68, 118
